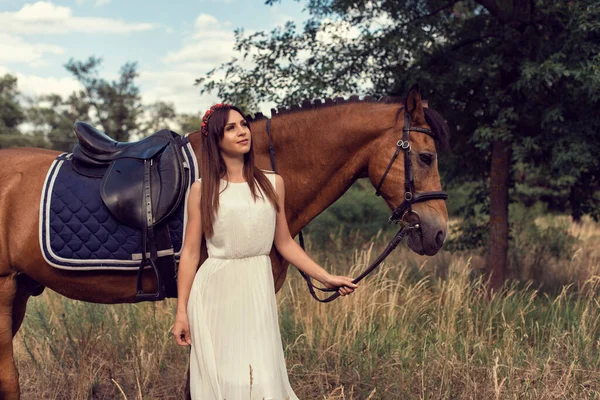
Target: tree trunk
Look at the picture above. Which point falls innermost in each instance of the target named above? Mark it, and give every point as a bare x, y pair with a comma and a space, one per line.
498, 240
575, 200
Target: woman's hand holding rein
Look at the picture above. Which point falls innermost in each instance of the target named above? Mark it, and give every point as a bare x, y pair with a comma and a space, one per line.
345, 284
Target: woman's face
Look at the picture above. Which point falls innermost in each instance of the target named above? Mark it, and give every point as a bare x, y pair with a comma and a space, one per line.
236, 136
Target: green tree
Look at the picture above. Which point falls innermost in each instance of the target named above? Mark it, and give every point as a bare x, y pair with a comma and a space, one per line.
518, 81
116, 105
52, 117
159, 115
12, 115
189, 122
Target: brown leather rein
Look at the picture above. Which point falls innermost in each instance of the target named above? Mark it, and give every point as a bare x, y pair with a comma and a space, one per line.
399, 214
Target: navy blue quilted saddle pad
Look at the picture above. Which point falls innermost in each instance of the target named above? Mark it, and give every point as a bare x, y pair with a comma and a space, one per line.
78, 232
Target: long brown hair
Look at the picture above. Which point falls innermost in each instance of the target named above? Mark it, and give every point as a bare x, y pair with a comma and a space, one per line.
213, 169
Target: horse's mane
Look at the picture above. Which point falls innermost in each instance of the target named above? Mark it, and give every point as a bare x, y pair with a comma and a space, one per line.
438, 124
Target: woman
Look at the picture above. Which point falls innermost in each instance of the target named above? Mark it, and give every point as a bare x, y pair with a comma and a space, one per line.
226, 309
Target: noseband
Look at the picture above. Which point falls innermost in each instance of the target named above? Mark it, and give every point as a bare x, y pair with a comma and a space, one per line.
411, 196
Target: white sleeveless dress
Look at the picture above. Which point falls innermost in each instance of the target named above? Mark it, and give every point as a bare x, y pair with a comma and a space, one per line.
232, 309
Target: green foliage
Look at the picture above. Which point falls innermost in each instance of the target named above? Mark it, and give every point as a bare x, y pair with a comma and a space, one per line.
22, 140
159, 116
472, 208
471, 234
113, 107
536, 243
527, 237
189, 122
52, 117
11, 113
117, 104
525, 72
357, 216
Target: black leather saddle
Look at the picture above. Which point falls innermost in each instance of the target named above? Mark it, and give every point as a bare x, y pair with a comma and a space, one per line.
142, 184
99, 149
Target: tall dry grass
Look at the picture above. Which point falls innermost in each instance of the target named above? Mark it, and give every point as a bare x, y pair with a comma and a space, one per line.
419, 328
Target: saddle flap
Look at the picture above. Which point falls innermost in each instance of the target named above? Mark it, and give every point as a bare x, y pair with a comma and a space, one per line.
122, 190
167, 180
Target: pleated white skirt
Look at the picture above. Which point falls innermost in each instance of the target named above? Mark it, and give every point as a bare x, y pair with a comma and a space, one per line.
236, 350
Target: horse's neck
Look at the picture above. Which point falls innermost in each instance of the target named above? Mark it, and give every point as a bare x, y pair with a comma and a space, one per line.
321, 153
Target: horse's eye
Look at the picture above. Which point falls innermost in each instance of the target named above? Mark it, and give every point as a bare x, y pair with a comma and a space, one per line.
426, 158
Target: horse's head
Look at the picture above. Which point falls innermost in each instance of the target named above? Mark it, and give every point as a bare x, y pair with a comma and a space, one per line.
429, 209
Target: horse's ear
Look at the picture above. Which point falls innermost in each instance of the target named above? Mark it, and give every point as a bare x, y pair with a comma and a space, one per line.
413, 105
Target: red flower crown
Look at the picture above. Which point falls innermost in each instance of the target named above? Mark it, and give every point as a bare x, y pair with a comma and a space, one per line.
208, 113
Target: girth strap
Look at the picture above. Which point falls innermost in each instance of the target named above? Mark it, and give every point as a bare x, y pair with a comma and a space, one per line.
148, 232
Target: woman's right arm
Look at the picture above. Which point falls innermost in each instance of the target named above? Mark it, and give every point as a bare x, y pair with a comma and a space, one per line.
188, 264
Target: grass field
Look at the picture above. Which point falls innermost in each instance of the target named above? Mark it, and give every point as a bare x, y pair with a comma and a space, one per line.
419, 328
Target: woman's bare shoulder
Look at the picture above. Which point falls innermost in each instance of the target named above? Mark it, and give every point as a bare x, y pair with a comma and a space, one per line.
279, 184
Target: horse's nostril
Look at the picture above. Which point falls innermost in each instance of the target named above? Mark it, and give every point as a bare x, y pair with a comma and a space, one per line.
440, 237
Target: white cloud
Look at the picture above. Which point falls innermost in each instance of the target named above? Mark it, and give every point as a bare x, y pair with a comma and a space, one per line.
97, 3
205, 19
14, 49
44, 17
209, 45
177, 87
41, 11
37, 85
33, 85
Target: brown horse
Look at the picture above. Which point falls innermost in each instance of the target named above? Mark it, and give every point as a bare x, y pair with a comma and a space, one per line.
320, 151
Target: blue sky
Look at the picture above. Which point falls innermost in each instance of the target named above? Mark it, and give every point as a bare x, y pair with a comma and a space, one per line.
173, 42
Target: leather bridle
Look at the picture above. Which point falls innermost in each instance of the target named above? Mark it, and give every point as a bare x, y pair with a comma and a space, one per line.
399, 214
411, 196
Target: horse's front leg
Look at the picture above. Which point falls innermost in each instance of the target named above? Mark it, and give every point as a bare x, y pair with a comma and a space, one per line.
9, 377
